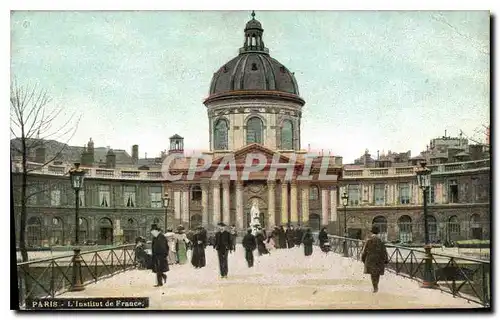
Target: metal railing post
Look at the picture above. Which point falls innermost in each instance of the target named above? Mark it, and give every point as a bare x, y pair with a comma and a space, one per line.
77, 283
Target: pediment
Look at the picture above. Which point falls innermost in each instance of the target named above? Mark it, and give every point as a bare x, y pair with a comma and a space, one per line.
240, 155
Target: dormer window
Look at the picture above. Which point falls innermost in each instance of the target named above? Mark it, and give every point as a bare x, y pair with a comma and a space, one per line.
254, 66
282, 69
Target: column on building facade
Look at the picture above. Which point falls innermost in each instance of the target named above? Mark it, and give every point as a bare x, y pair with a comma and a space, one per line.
390, 194
177, 204
239, 205
333, 204
305, 203
271, 187
294, 214
204, 203
226, 203
284, 202
216, 202
414, 189
324, 206
185, 205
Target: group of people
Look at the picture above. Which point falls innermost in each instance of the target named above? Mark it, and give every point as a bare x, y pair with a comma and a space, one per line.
374, 254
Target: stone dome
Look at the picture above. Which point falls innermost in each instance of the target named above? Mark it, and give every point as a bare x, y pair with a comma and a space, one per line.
253, 69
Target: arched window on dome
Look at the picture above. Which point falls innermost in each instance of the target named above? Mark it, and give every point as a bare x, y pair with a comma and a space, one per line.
255, 130
287, 135
220, 134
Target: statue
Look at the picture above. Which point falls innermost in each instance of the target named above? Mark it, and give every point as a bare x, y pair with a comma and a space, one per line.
255, 214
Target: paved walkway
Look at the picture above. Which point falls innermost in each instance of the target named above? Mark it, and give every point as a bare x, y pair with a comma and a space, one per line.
286, 279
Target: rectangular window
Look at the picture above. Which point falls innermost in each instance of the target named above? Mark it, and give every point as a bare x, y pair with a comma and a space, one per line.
82, 198
379, 194
353, 191
453, 191
431, 196
104, 194
156, 197
55, 198
404, 193
129, 196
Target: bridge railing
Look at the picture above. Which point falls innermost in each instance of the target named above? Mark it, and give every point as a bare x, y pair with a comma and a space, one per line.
462, 277
50, 277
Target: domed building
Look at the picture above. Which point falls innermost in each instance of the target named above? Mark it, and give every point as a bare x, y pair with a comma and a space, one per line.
254, 99
254, 107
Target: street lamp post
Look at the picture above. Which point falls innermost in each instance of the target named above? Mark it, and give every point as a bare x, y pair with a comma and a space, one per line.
424, 182
345, 201
166, 202
77, 176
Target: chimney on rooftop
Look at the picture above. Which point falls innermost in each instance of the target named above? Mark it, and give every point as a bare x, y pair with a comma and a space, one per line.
135, 154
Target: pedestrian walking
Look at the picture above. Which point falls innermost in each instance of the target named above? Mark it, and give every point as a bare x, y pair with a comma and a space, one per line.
290, 237
222, 245
249, 243
198, 259
233, 238
282, 237
181, 245
159, 255
324, 244
307, 241
374, 256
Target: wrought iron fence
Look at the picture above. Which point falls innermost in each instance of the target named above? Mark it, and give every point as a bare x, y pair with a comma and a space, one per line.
53, 276
462, 277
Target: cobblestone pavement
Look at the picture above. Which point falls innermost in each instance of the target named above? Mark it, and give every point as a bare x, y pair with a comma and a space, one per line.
286, 279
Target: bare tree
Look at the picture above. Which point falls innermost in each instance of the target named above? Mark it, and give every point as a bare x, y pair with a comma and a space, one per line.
32, 119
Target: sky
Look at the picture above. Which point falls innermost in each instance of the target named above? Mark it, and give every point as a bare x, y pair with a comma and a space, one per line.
373, 80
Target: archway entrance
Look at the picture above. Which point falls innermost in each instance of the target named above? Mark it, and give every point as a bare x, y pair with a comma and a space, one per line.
57, 236
314, 222
405, 229
130, 231
475, 227
105, 231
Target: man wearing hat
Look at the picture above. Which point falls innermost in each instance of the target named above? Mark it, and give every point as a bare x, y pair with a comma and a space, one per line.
250, 245
222, 245
160, 252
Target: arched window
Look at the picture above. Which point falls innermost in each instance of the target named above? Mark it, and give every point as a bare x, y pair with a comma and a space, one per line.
433, 229
287, 135
255, 130
313, 193
34, 232
453, 228
195, 193
83, 230
221, 130
381, 223
130, 231
405, 229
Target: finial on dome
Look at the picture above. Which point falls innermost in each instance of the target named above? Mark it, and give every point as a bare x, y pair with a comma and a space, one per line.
253, 14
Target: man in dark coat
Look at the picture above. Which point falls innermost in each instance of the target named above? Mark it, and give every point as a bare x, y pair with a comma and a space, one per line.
275, 234
198, 259
290, 237
307, 241
375, 257
299, 233
249, 243
282, 237
159, 257
222, 245
324, 244
259, 239
204, 236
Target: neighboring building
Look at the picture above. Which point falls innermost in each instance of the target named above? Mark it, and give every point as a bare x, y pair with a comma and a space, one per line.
254, 107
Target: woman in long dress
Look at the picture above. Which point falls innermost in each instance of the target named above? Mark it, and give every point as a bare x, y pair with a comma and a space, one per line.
198, 259
172, 254
261, 247
182, 242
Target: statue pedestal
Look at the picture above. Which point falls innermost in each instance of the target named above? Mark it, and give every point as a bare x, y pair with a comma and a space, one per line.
255, 225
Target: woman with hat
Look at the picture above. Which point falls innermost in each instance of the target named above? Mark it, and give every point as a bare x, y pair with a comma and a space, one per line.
307, 241
375, 257
181, 245
159, 248
198, 259
171, 241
